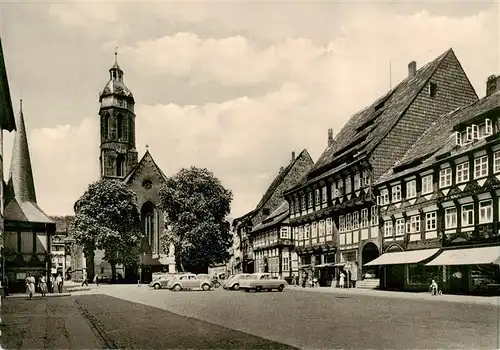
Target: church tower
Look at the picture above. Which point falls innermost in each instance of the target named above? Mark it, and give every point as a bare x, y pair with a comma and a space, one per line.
118, 155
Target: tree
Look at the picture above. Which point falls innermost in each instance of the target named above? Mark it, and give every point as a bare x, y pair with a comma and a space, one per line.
107, 217
196, 205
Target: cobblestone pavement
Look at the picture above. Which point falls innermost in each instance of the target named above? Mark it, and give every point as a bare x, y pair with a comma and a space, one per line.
105, 322
316, 320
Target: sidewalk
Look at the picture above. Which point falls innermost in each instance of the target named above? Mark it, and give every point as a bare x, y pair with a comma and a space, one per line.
469, 299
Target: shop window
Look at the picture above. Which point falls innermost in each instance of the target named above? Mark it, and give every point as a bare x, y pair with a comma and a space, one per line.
420, 274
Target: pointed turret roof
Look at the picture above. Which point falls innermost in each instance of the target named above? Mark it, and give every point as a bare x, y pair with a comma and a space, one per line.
20, 196
21, 174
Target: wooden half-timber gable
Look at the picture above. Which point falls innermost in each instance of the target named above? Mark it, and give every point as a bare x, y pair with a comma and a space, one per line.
365, 148
272, 199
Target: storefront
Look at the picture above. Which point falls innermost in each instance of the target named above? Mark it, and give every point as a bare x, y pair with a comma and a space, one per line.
406, 270
469, 270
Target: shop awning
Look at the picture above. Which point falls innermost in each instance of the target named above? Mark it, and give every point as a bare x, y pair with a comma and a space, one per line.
467, 256
325, 265
399, 258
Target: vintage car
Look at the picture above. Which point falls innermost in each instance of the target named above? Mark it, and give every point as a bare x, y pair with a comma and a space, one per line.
262, 281
189, 281
234, 282
160, 281
213, 279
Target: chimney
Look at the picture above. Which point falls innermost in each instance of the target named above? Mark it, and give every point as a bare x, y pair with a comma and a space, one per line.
293, 157
412, 69
330, 137
492, 84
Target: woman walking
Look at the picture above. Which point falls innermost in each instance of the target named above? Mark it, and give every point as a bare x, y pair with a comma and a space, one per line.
341, 281
43, 286
30, 285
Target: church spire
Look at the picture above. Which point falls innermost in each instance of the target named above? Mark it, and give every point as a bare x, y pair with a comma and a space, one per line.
21, 174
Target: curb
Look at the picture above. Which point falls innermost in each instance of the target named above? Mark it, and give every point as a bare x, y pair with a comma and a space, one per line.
37, 296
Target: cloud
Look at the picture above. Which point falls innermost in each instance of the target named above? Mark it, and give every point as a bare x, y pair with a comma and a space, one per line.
245, 139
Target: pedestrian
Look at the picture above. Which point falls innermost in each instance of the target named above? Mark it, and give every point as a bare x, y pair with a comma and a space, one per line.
96, 280
354, 275
315, 282
434, 287
342, 278
52, 283
85, 281
42, 284
30, 285
6, 285
59, 283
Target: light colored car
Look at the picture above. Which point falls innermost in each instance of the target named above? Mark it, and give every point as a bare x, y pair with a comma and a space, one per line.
160, 281
188, 281
234, 282
262, 281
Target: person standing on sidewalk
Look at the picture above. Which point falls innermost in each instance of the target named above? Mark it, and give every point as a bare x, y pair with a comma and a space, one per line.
30, 285
59, 282
52, 283
42, 284
85, 279
342, 278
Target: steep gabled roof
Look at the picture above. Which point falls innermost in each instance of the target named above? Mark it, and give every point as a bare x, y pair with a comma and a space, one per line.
439, 139
277, 216
365, 129
279, 179
145, 161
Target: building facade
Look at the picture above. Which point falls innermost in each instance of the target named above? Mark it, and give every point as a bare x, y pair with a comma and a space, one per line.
62, 247
271, 201
28, 230
333, 212
440, 204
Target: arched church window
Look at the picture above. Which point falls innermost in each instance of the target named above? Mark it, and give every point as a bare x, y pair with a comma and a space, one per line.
120, 165
149, 227
119, 126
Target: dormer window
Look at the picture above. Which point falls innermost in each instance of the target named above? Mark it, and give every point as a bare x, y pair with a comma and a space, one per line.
474, 132
432, 89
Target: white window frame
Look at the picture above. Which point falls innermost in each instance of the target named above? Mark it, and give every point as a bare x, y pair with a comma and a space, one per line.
396, 193
462, 172
342, 227
489, 127
431, 221
400, 227
310, 201
348, 222
411, 189
467, 213
314, 230
303, 202
374, 215
366, 178
413, 225
486, 211
388, 228
383, 199
496, 162
364, 217
321, 228
480, 167
445, 176
317, 198
355, 220
307, 231
348, 184
285, 263
427, 184
329, 226
450, 217
357, 181
324, 194
284, 232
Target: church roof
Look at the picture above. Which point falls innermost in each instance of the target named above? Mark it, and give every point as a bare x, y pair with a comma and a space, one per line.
20, 195
147, 158
7, 119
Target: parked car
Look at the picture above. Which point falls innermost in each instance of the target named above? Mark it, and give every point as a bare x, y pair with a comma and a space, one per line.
210, 278
160, 281
262, 281
189, 281
234, 282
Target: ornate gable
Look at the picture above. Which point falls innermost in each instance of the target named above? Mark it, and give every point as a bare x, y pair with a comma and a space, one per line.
146, 168
492, 183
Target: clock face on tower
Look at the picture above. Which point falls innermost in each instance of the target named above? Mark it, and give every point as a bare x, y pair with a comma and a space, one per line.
147, 184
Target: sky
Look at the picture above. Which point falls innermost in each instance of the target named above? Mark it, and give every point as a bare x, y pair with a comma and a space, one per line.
231, 86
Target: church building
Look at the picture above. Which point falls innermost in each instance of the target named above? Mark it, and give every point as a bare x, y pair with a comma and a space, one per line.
119, 160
